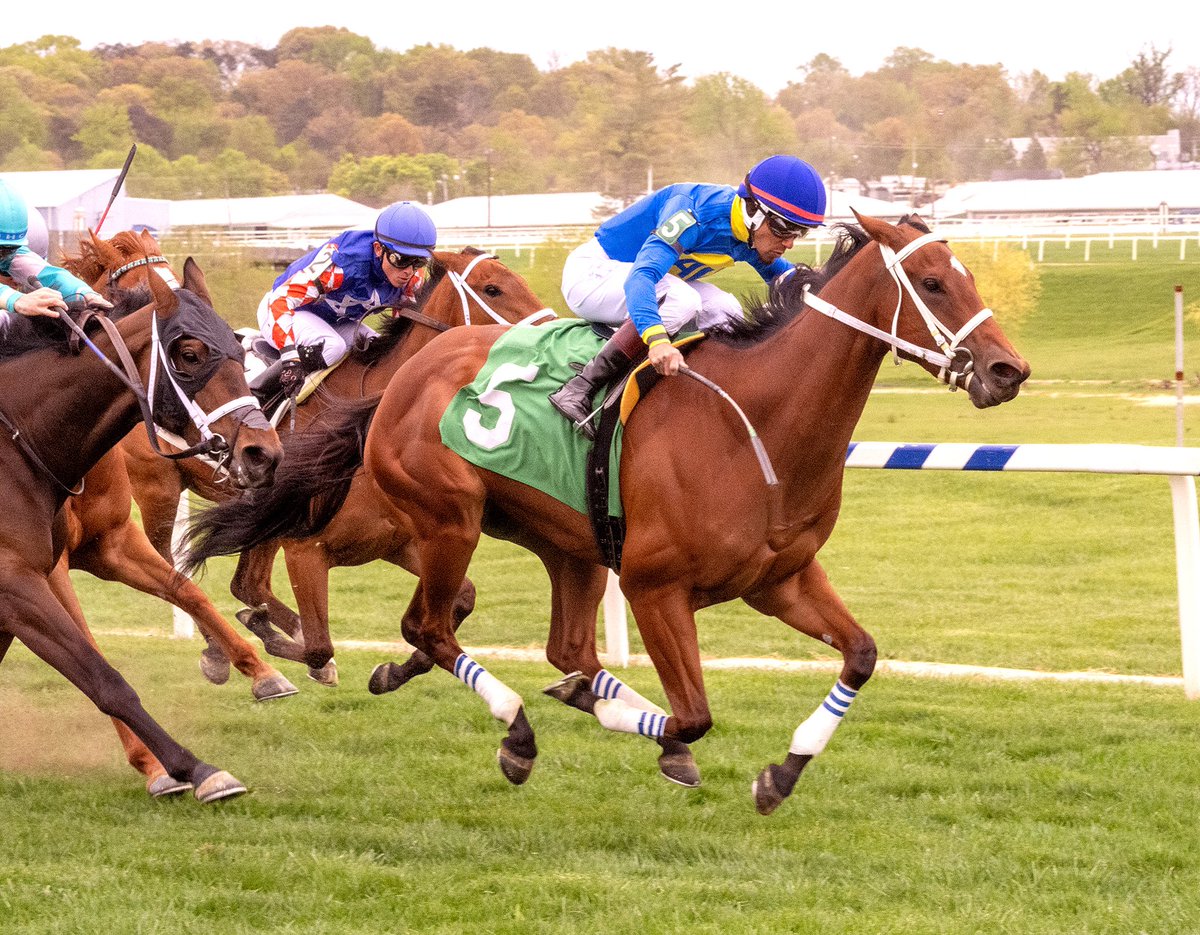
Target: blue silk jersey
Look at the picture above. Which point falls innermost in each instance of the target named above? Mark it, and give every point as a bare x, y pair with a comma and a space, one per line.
688, 230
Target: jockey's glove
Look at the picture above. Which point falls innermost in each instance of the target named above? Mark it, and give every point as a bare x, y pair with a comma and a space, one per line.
291, 377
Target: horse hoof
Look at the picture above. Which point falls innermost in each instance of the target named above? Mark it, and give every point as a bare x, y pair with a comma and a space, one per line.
516, 769
567, 688
214, 666
220, 785
273, 686
164, 785
326, 675
680, 768
382, 680
767, 796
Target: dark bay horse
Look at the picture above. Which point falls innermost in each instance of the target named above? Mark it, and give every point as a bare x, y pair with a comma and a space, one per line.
704, 525
169, 358
465, 288
102, 538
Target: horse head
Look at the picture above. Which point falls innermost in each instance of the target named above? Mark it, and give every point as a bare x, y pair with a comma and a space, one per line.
933, 304
473, 287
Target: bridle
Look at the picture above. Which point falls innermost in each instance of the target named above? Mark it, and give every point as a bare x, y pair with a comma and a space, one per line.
950, 342
459, 281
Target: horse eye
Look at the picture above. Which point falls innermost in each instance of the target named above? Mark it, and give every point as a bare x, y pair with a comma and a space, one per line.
931, 284
492, 291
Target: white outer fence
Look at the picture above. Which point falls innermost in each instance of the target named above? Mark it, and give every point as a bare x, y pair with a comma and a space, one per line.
1179, 465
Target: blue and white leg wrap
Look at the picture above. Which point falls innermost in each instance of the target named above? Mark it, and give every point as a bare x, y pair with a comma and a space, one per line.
607, 686
615, 714
811, 736
502, 701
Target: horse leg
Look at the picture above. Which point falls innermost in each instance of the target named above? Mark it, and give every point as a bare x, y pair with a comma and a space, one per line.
158, 783
125, 554
388, 676
5, 642
576, 590
33, 614
308, 570
807, 602
429, 626
251, 584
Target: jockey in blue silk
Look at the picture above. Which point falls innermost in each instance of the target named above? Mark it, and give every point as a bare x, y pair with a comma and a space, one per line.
320, 300
50, 287
642, 272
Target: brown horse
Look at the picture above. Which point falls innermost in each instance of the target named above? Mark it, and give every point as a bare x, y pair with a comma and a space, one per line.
102, 538
179, 365
468, 287
801, 372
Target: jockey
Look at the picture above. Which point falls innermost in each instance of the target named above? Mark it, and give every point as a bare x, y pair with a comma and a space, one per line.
51, 288
642, 270
320, 300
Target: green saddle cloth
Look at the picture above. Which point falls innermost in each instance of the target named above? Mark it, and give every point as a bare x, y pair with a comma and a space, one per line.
503, 420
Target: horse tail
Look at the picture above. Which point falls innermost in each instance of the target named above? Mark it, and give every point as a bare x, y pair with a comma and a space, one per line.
310, 486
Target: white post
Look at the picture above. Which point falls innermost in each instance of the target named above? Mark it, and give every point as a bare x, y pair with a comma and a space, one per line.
1187, 570
184, 626
1179, 365
616, 632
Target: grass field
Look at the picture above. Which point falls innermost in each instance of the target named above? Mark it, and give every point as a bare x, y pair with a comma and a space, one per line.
948, 806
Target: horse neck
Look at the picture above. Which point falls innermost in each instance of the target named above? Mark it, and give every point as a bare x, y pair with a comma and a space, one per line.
823, 372
74, 410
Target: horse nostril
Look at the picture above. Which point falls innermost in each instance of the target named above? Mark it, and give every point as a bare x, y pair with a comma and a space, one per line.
258, 465
1006, 374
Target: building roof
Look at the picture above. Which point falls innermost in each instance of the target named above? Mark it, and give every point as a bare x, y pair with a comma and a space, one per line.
281, 211
51, 188
1105, 192
561, 209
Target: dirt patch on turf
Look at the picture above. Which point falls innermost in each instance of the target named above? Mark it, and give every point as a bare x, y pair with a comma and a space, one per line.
53, 733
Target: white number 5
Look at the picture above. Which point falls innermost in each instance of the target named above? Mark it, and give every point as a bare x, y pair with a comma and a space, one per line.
486, 438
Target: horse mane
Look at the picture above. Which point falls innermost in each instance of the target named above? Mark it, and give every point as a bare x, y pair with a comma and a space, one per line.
785, 301
89, 265
24, 335
394, 330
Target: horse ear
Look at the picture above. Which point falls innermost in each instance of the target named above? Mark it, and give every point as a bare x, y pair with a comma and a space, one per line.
193, 280
165, 299
108, 254
881, 230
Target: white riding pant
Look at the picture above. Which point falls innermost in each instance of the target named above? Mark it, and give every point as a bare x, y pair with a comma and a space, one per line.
594, 286
308, 328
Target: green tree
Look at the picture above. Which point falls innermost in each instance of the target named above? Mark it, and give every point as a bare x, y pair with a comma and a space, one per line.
733, 125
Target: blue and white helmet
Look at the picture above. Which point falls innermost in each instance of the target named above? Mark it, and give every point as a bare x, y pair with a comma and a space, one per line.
14, 218
407, 229
787, 190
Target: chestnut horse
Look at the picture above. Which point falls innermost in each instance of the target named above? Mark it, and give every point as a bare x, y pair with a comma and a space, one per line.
179, 365
801, 371
465, 288
102, 538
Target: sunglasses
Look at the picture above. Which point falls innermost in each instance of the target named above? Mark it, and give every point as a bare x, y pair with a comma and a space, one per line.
403, 261
781, 227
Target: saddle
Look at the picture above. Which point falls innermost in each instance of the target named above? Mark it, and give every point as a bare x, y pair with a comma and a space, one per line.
263, 366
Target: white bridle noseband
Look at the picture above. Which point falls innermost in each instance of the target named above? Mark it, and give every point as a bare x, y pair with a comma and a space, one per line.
464, 290
949, 341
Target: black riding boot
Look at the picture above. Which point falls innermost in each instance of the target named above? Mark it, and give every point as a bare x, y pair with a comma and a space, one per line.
574, 398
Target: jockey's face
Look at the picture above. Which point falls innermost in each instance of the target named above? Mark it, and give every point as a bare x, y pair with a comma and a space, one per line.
397, 276
769, 245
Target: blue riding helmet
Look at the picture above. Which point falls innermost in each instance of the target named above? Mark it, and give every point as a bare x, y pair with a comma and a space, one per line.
14, 218
406, 228
786, 187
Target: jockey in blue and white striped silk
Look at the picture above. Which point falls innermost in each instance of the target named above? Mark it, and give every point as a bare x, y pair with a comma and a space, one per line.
50, 287
322, 298
642, 271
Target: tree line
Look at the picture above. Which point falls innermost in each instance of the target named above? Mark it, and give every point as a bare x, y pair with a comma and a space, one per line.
326, 110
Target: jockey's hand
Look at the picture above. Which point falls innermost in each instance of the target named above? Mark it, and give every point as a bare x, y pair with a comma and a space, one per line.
43, 301
291, 378
665, 358
96, 300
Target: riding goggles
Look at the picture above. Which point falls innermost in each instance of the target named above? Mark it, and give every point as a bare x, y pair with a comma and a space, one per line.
782, 227
403, 260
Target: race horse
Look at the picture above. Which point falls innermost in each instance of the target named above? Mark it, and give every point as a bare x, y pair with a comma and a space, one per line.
162, 356
468, 287
709, 516
102, 538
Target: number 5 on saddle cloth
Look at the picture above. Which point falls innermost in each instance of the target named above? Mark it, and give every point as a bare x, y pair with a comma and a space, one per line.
503, 421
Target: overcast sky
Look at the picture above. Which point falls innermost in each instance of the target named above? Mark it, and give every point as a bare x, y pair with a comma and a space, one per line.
756, 41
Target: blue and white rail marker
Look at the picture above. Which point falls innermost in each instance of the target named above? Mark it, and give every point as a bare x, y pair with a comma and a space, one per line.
1179, 465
